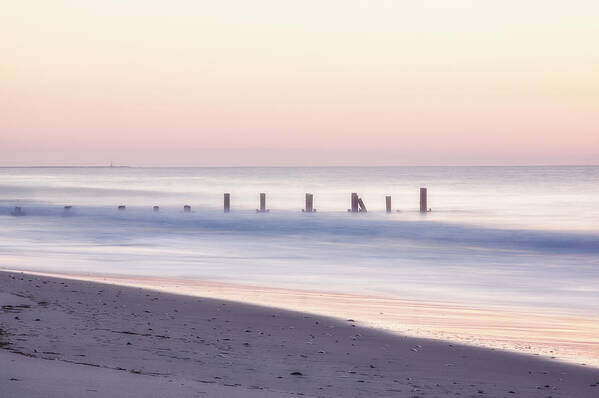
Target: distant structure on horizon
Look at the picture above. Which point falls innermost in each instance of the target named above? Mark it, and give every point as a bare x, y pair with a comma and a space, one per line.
113, 166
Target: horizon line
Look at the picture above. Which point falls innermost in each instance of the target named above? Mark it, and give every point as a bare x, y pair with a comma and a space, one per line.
282, 167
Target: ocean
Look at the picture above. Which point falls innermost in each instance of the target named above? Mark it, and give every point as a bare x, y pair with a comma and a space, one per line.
506, 236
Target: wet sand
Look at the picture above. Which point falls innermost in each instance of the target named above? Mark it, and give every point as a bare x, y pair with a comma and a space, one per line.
565, 337
64, 337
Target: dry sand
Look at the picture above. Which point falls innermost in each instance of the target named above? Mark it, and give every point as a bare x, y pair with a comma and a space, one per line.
71, 338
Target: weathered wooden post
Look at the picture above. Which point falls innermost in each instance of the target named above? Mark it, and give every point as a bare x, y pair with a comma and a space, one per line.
388, 203
156, 208
187, 209
362, 206
423, 202
354, 202
309, 203
227, 202
122, 207
262, 204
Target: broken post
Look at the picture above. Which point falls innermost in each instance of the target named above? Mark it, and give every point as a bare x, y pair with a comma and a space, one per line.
423, 202
388, 203
227, 202
362, 206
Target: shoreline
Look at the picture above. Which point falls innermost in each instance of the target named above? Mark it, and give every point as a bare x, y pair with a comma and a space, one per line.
572, 339
71, 338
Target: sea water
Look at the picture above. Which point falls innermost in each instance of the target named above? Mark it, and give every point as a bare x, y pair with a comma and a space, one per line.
514, 236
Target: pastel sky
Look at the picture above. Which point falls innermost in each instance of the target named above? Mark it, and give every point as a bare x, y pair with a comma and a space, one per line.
310, 82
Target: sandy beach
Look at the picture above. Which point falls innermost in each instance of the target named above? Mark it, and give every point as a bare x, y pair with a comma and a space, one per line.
550, 334
72, 338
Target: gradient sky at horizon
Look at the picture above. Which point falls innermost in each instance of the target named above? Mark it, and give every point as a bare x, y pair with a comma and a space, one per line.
276, 82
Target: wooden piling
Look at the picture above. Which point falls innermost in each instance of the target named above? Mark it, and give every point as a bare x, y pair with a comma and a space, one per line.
262, 203
388, 203
423, 201
354, 202
309, 203
227, 202
187, 208
362, 206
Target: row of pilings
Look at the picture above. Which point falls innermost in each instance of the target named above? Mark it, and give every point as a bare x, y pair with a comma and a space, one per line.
357, 204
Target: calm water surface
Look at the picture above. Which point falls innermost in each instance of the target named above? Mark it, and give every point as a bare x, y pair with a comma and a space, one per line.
525, 236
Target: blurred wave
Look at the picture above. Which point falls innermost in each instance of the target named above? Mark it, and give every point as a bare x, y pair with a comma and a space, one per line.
525, 236
286, 223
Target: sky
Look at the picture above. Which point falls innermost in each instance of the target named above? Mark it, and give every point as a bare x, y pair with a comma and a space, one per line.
306, 83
